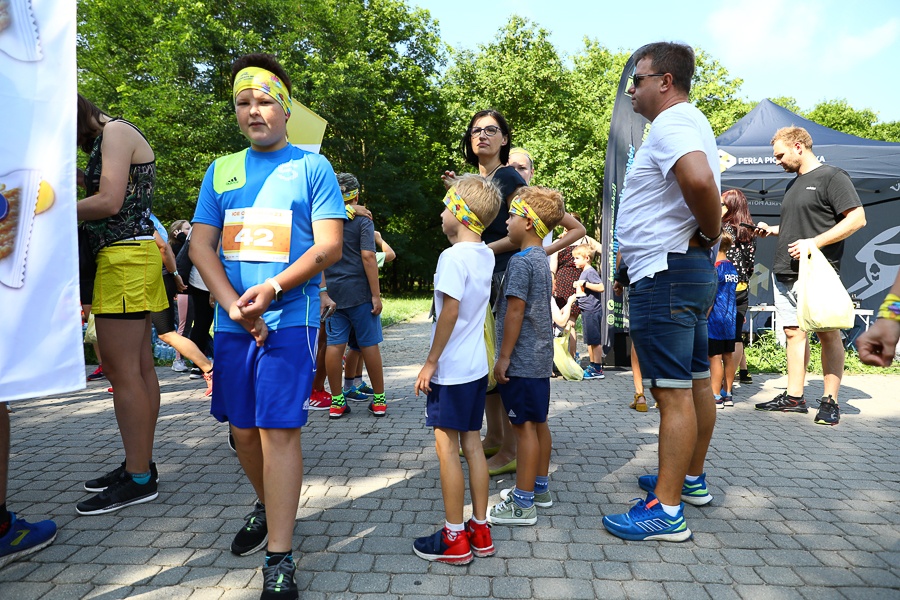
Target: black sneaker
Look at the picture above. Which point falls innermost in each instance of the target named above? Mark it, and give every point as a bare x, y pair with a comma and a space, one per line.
278, 581
829, 411
784, 403
254, 535
745, 377
101, 483
196, 373
121, 493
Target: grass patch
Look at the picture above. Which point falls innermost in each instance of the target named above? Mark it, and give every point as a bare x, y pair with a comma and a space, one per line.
766, 355
397, 309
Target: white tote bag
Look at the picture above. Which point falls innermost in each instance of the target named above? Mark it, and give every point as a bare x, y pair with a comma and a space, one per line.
822, 302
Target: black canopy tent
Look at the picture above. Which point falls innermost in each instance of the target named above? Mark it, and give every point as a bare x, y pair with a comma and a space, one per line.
872, 255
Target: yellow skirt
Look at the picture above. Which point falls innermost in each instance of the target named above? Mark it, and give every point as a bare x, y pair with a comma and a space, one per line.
129, 279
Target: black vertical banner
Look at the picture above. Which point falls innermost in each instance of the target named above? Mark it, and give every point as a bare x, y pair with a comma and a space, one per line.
627, 130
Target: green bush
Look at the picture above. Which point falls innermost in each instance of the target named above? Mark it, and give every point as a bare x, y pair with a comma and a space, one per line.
766, 355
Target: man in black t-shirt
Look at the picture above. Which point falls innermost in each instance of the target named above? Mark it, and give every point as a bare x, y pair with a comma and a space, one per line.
820, 206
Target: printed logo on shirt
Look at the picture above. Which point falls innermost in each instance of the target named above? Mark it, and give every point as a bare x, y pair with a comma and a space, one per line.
232, 181
287, 171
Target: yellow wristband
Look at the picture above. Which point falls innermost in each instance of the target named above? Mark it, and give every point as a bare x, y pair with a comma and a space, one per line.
890, 308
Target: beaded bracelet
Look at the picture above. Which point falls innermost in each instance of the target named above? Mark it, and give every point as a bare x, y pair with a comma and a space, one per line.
890, 308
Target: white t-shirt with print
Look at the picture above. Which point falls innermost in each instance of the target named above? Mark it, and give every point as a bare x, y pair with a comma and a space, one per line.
464, 272
653, 218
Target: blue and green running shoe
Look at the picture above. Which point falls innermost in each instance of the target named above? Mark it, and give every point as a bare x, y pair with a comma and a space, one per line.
648, 521
696, 493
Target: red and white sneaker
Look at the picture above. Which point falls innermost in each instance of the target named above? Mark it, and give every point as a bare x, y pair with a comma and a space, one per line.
336, 411
450, 547
97, 375
378, 407
319, 400
480, 539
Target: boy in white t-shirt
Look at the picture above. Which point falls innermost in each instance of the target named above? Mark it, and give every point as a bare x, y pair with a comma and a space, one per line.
455, 374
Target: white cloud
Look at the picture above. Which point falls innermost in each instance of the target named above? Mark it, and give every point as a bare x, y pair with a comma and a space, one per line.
746, 33
850, 50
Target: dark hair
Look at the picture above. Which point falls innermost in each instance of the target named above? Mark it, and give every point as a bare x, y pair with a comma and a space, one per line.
263, 61
736, 213
347, 182
670, 57
90, 126
466, 143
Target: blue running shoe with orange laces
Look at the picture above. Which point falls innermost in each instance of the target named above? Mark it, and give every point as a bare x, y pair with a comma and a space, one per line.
648, 521
696, 493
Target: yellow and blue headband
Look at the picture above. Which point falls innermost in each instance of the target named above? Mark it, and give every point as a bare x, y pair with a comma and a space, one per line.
459, 209
350, 196
267, 82
520, 208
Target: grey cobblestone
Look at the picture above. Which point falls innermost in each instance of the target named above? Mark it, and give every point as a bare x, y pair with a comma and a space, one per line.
775, 529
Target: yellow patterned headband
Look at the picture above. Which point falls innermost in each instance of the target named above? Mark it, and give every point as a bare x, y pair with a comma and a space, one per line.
256, 78
459, 209
351, 195
520, 208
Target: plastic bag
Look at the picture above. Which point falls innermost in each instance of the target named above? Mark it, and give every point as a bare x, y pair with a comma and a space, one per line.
822, 302
564, 361
90, 334
490, 343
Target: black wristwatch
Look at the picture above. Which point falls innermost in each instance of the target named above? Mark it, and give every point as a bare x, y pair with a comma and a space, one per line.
279, 293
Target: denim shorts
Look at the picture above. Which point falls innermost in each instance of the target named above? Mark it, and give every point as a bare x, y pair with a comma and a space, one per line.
668, 320
359, 320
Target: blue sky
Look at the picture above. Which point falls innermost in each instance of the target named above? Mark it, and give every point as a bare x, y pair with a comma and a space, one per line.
812, 50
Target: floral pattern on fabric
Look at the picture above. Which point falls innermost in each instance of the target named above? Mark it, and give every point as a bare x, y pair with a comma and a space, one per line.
741, 254
133, 219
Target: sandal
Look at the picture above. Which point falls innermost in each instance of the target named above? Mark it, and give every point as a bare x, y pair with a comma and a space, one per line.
639, 406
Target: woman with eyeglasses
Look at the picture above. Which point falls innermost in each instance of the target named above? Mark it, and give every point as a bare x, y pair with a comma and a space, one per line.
486, 144
743, 255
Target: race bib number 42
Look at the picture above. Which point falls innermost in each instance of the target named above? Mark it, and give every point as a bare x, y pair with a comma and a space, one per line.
257, 234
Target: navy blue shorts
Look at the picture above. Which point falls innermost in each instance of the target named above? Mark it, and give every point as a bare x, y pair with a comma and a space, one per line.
526, 399
459, 406
265, 387
358, 319
590, 327
668, 320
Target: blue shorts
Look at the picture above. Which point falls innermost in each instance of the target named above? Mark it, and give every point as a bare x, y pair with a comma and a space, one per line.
459, 406
264, 387
668, 320
526, 399
590, 327
360, 320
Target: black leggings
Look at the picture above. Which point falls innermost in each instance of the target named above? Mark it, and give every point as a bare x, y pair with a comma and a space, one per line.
164, 320
203, 318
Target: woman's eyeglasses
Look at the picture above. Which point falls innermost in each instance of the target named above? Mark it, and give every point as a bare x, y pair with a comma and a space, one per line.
490, 131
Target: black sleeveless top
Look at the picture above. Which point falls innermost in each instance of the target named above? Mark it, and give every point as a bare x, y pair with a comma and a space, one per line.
133, 219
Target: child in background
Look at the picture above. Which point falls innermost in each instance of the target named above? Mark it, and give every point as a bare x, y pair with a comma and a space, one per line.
455, 374
525, 358
588, 288
721, 325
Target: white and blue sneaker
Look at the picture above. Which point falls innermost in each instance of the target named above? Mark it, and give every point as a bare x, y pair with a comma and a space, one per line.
355, 394
648, 521
695, 494
593, 373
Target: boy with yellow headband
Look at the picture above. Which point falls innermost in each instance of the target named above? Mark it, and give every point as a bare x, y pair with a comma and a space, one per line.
455, 374
525, 357
278, 212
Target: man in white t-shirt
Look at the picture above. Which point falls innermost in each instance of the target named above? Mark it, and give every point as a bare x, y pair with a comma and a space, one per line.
668, 223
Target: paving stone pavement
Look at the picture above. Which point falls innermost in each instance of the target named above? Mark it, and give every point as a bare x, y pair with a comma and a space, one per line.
800, 510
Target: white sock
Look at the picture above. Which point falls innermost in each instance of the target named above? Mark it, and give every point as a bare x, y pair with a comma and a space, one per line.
691, 478
670, 510
477, 522
454, 527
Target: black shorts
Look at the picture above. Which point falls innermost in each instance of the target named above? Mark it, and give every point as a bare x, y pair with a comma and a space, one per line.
164, 320
717, 347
